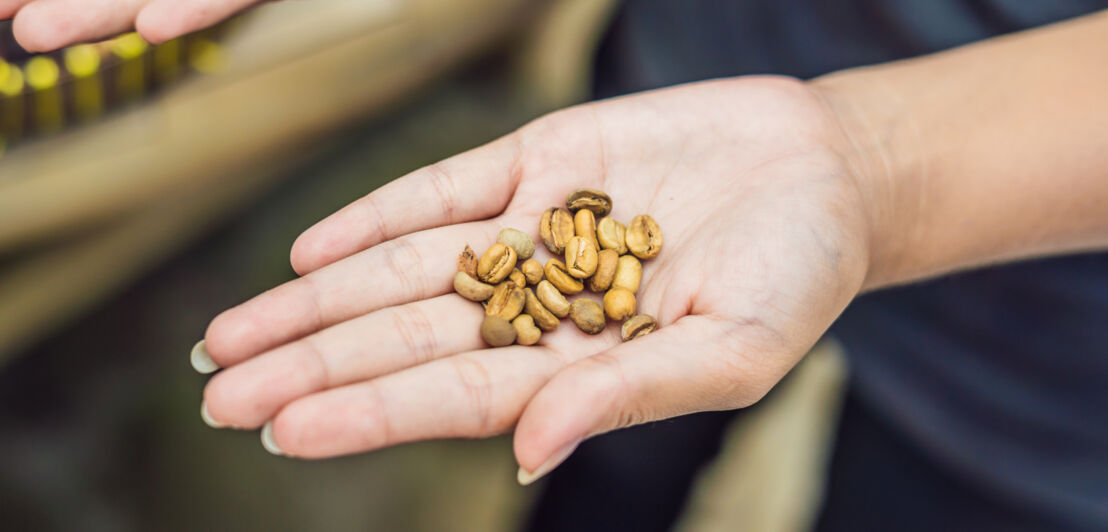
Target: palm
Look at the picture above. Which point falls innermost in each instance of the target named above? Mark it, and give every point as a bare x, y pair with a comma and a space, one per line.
760, 255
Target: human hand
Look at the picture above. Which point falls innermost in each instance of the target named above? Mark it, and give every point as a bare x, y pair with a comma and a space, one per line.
766, 242
44, 25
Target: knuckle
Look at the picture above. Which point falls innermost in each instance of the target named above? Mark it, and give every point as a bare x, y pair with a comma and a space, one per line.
416, 333
405, 266
477, 386
445, 190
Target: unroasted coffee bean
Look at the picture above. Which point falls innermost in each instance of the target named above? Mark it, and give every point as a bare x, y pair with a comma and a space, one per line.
467, 262
580, 257
517, 277
506, 301
587, 315
544, 318
496, 264
594, 200
611, 235
644, 237
584, 226
532, 270
637, 326
471, 288
619, 303
519, 241
555, 229
497, 331
606, 262
628, 274
556, 273
526, 332
552, 299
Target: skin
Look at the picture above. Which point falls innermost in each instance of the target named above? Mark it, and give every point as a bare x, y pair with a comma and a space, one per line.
814, 191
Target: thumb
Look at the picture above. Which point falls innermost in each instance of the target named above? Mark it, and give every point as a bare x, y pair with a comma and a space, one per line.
699, 363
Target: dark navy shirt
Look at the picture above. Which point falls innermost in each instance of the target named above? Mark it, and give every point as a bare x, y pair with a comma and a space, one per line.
1000, 374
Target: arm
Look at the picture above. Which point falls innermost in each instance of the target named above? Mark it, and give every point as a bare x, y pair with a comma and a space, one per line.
993, 152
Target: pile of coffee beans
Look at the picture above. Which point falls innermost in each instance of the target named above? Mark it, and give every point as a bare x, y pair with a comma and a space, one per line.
524, 298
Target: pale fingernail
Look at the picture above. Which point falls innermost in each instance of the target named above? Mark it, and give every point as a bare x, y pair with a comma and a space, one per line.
526, 478
207, 417
201, 360
269, 442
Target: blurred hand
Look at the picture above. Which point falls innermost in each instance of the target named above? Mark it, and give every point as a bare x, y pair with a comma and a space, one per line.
44, 25
766, 241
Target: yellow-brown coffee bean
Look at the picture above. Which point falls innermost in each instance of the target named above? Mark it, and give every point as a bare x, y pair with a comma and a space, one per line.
532, 270
580, 257
628, 274
594, 200
521, 242
518, 278
636, 326
619, 303
496, 263
644, 237
497, 331
506, 301
555, 229
587, 315
584, 226
611, 235
526, 332
606, 262
556, 273
467, 262
544, 318
471, 288
552, 299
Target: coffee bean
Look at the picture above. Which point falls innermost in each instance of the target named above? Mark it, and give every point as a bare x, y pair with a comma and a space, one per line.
584, 226
606, 262
471, 288
619, 303
611, 235
526, 332
628, 274
637, 326
555, 229
496, 264
580, 257
506, 301
518, 278
556, 273
587, 315
467, 262
519, 241
552, 299
497, 331
532, 270
593, 200
644, 237
544, 318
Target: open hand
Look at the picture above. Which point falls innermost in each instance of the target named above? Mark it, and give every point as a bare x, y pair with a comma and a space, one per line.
766, 242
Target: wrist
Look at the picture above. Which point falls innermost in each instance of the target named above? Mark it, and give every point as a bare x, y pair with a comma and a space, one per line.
879, 145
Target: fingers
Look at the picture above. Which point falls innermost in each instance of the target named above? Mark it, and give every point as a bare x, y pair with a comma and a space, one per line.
473, 185
417, 266
379, 343
45, 25
696, 364
475, 394
163, 20
9, 7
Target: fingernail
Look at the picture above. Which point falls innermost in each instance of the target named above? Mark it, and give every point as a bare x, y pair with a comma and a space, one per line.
526, 478
201, 360
268, 442
207, 417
